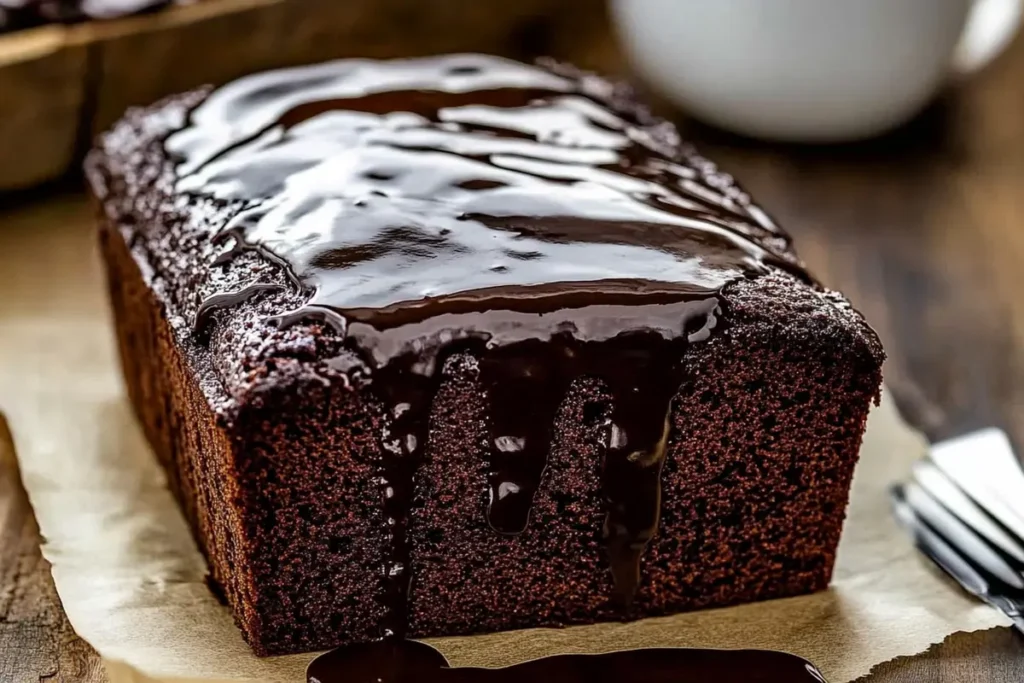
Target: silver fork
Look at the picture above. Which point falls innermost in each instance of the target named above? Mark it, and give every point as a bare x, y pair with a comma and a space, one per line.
964, 508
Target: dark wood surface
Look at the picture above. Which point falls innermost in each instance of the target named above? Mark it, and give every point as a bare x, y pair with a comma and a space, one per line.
36, 641
923, 229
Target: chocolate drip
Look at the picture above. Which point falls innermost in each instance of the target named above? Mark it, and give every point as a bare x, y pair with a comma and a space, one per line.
525, 384
638, 434
412, 662
406, 389
226, 300
468, 203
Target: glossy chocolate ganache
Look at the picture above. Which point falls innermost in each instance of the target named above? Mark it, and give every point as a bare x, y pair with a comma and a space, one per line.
472, 204
414, 662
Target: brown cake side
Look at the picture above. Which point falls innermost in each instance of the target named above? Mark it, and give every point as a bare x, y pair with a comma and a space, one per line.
282, 497
766, 431
275, 454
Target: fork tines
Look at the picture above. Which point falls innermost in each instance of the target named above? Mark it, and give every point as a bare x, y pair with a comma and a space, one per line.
964, 507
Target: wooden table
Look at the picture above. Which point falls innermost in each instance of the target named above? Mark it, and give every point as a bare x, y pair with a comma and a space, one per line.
924, 230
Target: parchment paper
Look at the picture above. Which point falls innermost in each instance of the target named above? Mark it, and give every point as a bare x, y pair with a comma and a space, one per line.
131, 579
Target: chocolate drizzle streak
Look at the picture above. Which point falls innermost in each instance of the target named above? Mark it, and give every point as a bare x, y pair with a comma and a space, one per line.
471, 204
414, 662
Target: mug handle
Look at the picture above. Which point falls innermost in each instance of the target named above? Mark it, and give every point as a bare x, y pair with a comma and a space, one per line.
991, 25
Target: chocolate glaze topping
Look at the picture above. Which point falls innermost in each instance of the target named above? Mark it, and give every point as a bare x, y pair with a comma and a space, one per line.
471, 204
414, 662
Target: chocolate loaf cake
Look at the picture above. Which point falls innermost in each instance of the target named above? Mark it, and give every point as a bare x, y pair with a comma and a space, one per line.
456, 344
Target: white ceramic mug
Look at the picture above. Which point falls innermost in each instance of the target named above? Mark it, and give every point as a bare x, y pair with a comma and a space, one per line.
809, 70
